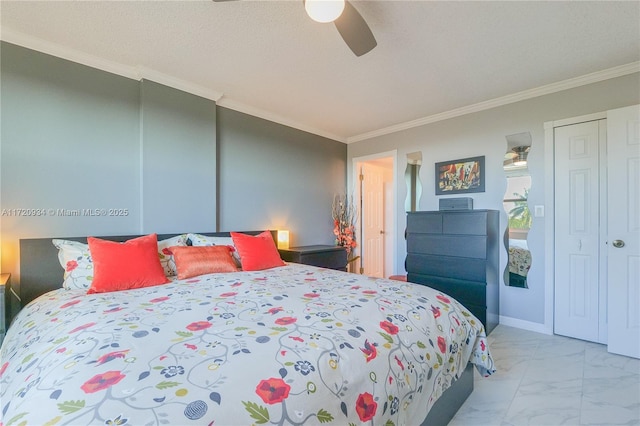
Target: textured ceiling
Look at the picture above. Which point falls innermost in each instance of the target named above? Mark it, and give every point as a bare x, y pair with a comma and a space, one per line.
269, 58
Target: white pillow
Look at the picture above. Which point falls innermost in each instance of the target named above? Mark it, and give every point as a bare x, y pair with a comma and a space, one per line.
199, 240
166, 257
75, 259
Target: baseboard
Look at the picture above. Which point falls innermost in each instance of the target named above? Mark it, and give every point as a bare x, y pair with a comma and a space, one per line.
525, 325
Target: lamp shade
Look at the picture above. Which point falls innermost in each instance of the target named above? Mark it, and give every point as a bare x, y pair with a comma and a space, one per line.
324, 10
283, 239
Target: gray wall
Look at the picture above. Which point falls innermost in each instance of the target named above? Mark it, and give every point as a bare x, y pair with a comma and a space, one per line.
178, 160
73, 137
483, 133
273, 176
70, 140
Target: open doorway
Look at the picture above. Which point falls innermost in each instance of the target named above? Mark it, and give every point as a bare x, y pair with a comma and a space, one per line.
375, 190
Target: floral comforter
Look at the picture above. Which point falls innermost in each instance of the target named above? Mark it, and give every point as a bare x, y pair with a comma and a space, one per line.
291, 345
519, 260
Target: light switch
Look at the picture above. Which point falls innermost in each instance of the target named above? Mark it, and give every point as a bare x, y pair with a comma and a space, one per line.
538, 211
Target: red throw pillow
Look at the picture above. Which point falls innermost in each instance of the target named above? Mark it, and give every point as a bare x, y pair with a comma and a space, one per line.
257, 253
194, 261
122, 266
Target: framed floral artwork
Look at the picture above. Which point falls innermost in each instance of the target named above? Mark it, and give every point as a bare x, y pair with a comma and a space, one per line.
460, 176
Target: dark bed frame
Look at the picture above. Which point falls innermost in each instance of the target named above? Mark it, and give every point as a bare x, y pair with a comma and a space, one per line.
40, 272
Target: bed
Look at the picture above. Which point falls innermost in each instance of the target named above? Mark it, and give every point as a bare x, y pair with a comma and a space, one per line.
292, 344
519, 262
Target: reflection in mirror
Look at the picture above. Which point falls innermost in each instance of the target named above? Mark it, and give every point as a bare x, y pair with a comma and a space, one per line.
412, 177
517, 209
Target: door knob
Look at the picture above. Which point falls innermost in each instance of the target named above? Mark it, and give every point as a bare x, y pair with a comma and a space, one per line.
618, 243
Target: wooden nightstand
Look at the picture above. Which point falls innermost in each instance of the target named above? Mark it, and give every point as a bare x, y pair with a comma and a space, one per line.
5, 285
332, 257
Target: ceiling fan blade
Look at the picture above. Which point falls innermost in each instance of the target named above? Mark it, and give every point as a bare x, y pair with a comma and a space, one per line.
355, 31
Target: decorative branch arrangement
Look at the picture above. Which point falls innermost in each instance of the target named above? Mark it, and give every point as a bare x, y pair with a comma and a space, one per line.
344, 213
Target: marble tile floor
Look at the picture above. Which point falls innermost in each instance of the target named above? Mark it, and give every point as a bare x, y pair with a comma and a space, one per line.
552, 380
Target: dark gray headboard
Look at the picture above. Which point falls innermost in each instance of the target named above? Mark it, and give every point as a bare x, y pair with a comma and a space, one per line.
41, 272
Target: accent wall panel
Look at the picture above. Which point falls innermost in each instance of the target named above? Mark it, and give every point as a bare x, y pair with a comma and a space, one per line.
276, 176
69, 149
178, 160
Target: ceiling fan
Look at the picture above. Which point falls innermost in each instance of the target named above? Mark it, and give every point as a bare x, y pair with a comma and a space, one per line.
350, 24
517, 156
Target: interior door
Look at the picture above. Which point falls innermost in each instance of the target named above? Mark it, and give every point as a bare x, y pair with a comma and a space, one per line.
623, 245
372, 179
577, 250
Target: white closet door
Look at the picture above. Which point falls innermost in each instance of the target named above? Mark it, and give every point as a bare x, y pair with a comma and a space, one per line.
577, 174
623, 134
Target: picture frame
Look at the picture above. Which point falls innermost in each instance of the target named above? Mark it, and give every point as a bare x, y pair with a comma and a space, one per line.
461, 176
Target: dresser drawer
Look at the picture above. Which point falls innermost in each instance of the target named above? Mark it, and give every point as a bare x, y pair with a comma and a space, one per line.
448, 267
448, 245
331, 257
478, 311
427, 223
465, 292
472, 223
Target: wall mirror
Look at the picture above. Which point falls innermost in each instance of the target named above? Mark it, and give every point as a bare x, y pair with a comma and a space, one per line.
516, 206
412, 177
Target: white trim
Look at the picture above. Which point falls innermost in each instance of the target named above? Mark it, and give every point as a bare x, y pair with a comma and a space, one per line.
525, 325
575, 120
128, 71
393, 154
266, 115
571, 83
549, 221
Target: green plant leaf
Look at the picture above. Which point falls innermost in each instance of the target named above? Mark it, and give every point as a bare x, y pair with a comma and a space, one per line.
69, 407
15, 418
166, 385
389, 423
184, 333
386, 336
257, 412
420, 344
324, 416
27, 358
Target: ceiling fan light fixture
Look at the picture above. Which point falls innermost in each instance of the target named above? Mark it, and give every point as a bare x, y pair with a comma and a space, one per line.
522, 154
324, 10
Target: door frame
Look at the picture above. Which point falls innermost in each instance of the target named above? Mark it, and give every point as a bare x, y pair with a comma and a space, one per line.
549, 228
356, 190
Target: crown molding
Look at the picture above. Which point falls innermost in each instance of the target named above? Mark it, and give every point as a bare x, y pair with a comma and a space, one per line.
128, 71
571, 83
139, 72
54, 49
176, 83
266, 115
